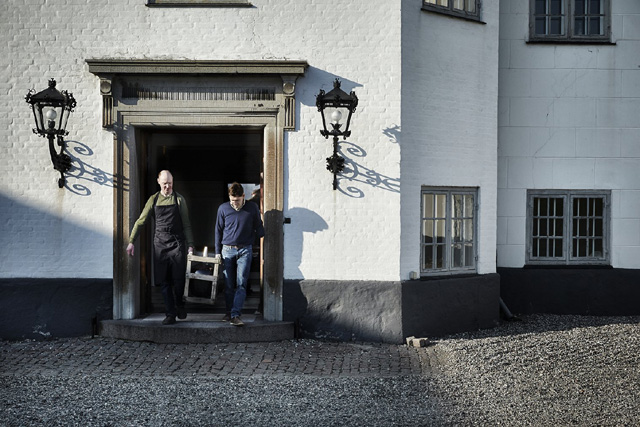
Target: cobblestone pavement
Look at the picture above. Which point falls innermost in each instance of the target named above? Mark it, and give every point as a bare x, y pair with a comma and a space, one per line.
92, 356
544, 371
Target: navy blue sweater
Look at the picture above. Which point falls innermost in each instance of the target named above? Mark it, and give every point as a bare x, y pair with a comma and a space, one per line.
238, 228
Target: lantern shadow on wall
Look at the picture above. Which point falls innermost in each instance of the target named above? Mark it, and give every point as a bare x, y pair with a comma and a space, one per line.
84, 173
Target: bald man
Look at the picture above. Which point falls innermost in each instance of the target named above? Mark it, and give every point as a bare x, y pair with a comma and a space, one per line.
172, 235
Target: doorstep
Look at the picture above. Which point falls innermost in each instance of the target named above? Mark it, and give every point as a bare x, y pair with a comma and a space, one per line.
197, 328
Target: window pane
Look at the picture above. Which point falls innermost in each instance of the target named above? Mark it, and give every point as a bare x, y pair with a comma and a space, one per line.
598, 228
456, 231
468, 255
541, 7
427, 262
456, 256
458, 4
598, 206
440, 235
555, 7
598, 250
471, 6
544, 231
441, 206
542, 247
427, 205
559, 207
543, 209
596, 7
580, 7
580, 27
468, 229
427, 232
439, 256
596, 27
468, 206
555, 26
558, 248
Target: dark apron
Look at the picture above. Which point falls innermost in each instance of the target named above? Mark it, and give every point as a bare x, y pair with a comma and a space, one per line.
170, 255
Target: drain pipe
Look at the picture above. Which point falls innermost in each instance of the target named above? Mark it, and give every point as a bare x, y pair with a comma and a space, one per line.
507, 313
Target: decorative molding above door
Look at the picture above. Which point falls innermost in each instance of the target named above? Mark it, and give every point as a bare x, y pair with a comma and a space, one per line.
129, 72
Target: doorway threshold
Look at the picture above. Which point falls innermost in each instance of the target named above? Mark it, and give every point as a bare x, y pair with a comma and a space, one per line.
197, 328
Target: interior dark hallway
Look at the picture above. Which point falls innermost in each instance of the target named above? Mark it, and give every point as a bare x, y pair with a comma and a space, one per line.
203, 164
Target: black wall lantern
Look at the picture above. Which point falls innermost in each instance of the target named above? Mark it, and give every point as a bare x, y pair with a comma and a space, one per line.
51, 110
333, 106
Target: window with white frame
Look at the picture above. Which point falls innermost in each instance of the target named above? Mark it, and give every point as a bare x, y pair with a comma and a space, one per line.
469, 9
448, 232
570, 20
568, 227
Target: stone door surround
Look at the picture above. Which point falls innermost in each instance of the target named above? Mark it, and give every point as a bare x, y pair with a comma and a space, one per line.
157, 94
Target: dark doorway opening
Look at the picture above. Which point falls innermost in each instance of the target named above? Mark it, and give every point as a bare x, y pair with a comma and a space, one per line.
203, 164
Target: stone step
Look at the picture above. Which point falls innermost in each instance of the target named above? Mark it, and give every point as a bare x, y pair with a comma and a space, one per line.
197, 328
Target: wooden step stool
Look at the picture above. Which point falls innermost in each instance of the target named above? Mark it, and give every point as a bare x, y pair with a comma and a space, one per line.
211, 278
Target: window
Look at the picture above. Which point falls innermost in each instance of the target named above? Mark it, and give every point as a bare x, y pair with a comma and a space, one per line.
570, 20
448, 242
469, 9
568, 227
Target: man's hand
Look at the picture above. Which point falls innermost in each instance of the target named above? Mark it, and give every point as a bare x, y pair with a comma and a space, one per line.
130, 249
190, 250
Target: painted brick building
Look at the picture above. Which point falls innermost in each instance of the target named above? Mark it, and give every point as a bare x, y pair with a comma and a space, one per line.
471, 113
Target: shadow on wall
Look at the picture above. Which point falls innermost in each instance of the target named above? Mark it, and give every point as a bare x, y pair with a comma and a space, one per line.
302, 221
82, 175
46, 259
356, 174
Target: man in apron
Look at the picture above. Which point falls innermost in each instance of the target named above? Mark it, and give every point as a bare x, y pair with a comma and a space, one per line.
172, 235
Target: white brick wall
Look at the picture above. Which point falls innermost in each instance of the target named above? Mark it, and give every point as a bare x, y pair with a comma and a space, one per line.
346, 234
569, 119
449, 121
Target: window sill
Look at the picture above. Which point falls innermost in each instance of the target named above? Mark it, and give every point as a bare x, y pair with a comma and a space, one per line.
198, 3
450, 14
444, 276
571, 41
569, 266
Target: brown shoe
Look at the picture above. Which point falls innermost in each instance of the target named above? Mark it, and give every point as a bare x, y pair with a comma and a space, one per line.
226, 318
236, 321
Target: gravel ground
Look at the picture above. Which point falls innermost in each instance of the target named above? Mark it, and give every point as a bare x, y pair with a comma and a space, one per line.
542, 371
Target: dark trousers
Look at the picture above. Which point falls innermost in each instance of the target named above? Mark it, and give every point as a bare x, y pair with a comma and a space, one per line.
169, 270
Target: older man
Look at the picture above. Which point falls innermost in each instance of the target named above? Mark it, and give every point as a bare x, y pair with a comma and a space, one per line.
172, 235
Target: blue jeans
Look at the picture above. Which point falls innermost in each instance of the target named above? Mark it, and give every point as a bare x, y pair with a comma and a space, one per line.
236, 267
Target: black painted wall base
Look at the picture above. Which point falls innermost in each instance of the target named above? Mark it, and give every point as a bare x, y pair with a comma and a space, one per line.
52, 308
579, 291
438, 307
392, 311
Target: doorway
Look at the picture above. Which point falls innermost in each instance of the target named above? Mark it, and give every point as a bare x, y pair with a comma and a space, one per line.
203, 163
